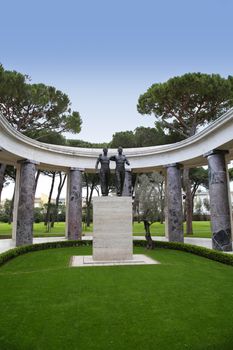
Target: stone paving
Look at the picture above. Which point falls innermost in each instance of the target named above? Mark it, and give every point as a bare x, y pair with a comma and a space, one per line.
6, 244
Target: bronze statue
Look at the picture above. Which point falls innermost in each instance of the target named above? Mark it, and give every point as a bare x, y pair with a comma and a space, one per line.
120, 160
104, 172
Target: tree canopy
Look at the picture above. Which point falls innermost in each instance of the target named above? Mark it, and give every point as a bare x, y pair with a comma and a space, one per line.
143, 137
34, 108
184, 103
85, 144
124, 139
38, 111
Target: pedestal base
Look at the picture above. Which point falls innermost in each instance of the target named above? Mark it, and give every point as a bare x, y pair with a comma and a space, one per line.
87, 260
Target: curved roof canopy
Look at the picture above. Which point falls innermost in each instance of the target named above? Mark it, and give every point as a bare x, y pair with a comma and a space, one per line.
218, 135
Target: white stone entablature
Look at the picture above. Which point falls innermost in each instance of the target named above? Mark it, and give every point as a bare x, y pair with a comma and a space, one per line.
219, 135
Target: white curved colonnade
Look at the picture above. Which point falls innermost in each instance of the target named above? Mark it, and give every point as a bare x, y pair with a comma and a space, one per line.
212, 146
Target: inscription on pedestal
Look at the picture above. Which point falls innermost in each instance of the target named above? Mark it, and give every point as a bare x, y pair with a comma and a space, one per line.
112, 228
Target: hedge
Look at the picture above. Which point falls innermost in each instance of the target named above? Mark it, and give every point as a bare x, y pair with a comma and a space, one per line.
190, 248
201, 251
13, 253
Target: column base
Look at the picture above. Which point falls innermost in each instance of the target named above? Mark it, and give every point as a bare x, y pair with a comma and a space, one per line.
221, 240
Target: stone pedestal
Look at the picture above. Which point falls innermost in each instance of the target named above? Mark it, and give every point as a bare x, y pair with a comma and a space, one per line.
112, 228
127, 188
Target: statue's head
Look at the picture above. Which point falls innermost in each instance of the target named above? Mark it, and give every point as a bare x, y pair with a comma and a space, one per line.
120, 150
105, 151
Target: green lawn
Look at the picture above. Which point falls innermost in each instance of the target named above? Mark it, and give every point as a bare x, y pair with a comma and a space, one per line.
201, 229
183, 303
38, 228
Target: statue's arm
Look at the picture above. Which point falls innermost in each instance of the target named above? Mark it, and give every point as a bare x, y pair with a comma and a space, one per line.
112, 158
127, 162
97, 162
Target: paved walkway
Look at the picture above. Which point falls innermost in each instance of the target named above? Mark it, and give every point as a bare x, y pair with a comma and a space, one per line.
6, 244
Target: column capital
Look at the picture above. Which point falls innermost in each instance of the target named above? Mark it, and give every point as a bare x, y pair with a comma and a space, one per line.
27, 161
77, 169
215, 151
174, 165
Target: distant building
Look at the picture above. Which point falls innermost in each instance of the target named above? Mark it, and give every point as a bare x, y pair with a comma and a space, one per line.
200, 199
43, 199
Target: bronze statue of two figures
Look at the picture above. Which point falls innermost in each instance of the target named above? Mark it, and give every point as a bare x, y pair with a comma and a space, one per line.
104, 172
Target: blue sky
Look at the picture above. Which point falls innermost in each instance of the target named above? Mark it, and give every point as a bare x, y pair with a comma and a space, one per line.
104, 54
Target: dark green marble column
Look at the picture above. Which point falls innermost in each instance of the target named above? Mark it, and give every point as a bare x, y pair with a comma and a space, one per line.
74, 210
174, 204
220, 211
25, 209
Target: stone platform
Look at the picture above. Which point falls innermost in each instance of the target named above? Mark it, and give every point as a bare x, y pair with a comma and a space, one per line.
87, 260
112, 229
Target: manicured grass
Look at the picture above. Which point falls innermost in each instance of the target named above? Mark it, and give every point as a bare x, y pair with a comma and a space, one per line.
183, 303
39, 229
201, 229
156, 229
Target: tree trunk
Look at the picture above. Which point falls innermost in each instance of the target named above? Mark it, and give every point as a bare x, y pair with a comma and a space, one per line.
2, 173
89, 194
47, 217
188, 202
87, 199
162, 201
60, 187
150, 243
88, 215
10, 219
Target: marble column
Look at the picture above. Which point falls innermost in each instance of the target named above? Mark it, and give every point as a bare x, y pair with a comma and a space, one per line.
174, 204
165, 208
74, 205
16, 201
220, 206
127, 189
24, 212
